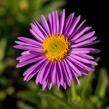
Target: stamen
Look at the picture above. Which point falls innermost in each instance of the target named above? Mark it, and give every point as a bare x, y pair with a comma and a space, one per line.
55, 47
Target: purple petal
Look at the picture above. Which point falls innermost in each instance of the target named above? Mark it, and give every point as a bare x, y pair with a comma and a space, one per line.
91, 43
79, 51
68, 23
25, 57
85, 50
22, 47
31, 60
66, 74
57, 21
73, 26
42, 72
29, 76
73, 75
83, 60
80, 33
80, 64
40, 28
61, 21
75, 78
36, 52
85, 56
80, 25
60, 73
50, 76
57, 82
50, 86
37, 31
84, 43
30, 41
25, 44
86, 36
47, 72
44, 23
36, 35
64, 85
50, 23
44, 85
84, 72
92, 50
25, 53
63, 78
74, 67
53, 78
31, 71
53, 22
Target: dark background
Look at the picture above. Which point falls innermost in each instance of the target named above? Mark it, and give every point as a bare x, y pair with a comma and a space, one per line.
96, 14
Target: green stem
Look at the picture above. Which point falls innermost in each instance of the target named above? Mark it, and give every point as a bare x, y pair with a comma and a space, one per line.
58, 99
75, 96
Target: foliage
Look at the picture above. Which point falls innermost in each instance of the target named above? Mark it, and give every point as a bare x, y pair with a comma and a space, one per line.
15, 16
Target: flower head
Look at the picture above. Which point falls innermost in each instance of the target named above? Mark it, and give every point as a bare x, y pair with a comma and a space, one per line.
58, 52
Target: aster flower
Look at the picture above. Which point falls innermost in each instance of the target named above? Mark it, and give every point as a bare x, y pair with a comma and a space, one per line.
58, 51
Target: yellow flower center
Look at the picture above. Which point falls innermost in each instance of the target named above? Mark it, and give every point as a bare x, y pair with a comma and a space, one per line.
55, 47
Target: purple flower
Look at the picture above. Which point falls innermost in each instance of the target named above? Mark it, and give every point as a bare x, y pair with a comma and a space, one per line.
59, 51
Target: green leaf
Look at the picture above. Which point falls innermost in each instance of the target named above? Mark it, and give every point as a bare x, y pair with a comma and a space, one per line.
2, 67
59, 100
86, 87
102, 83
2, 95
74, 92
107, 107
23, 105
30, 96
3, 43
87, 83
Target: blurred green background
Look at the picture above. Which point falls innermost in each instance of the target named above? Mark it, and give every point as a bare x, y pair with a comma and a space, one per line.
15, 17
